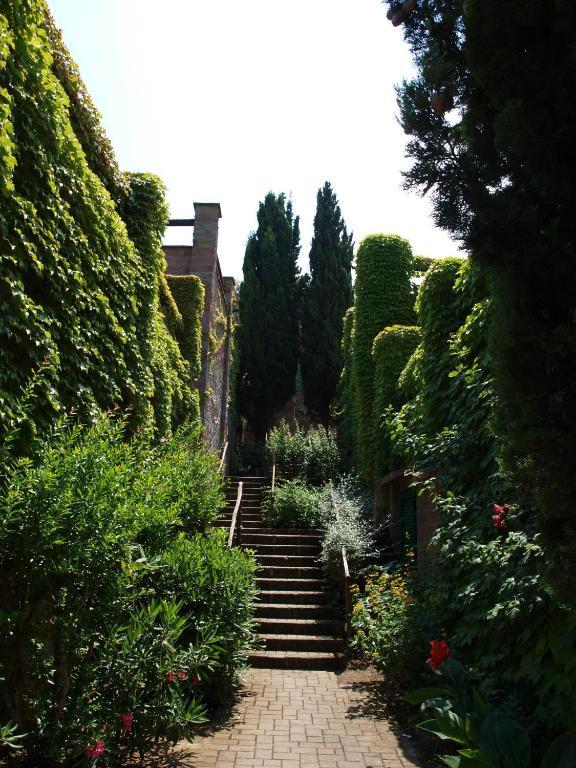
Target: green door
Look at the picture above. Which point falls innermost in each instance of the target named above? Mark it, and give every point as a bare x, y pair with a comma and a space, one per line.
408, 524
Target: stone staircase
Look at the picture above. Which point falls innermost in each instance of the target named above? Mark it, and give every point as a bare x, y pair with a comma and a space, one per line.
299, 615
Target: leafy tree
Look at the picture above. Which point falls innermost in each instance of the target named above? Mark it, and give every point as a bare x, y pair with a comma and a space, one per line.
325, 302
492, 125
268, 315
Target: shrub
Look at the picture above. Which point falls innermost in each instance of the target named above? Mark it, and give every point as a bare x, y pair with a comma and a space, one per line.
311, 455
383, 297
343, 511
101, 595
292, 504
390, 621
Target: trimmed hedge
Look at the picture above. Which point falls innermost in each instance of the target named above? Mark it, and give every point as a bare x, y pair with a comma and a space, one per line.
383, 297
391, 351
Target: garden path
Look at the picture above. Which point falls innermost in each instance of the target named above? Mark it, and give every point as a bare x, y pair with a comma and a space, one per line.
302, 719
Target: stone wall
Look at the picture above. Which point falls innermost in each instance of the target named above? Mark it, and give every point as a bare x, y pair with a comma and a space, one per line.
201, 259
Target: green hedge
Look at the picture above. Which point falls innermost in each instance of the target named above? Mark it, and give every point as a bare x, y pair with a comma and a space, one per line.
79, 323
392, 349
383, 297
188, 293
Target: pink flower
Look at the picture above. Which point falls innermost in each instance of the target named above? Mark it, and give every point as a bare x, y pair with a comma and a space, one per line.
181, 675
170, 677
499, 516
96, 750
127, 718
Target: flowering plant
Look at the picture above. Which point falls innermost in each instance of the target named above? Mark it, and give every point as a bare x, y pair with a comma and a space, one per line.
486, 738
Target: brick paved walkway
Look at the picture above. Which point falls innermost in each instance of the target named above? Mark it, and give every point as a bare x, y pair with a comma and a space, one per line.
301, 719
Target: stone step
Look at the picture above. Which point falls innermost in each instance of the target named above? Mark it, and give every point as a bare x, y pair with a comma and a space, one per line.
267, 582
279, 550
308, 627
319, 660
292, 532
275, 642
292, 611
317, 597
279, 538
288, 561
289, 572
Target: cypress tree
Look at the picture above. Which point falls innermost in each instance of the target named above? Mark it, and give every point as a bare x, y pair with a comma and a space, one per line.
326, 299
268, 315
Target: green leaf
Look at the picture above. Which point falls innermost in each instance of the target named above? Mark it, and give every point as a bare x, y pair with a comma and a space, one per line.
474, 758
513, 742
425, 694
561, 753
451, 762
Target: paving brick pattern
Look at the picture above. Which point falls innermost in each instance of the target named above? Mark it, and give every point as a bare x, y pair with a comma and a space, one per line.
301, 719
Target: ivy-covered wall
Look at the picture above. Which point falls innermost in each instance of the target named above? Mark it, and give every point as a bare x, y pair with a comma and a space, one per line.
391, 350
79, 321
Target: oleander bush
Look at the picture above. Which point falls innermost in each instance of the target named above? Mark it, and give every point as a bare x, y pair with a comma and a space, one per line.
292, 504
120, 618
308, 454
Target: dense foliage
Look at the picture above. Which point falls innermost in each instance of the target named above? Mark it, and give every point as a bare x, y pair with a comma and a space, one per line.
268, 333
344, 512
114, 602
491, 125
345, 400
392, 349
488, 589
382, 297
326, 299
79, 314
309, 454
292, 504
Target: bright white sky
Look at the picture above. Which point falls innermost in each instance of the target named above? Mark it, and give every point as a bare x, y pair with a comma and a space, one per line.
228, 99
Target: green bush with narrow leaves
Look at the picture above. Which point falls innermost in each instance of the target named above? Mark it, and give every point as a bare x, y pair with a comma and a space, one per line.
309, 454
345, 395
382, 297
292, 504
113, 598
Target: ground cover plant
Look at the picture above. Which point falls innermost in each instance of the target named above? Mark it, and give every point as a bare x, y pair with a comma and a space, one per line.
121, 617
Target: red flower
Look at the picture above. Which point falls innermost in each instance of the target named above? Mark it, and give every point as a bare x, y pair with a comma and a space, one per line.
127, 718
170, 677
96, 750
181, 675
499, 516
439, 652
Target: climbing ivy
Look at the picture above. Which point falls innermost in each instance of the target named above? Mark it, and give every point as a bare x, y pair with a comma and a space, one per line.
383, 298
188, 293
391, 350
78, 314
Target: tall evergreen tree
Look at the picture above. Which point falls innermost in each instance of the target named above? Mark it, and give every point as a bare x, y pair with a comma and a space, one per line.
326, 299
268, 315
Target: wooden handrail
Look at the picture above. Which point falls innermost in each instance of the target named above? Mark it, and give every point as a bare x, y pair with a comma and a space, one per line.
223, 457
237, 512
273, 477
347, 594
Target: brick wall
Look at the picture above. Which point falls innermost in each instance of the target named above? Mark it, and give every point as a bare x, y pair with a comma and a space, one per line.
201, 259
